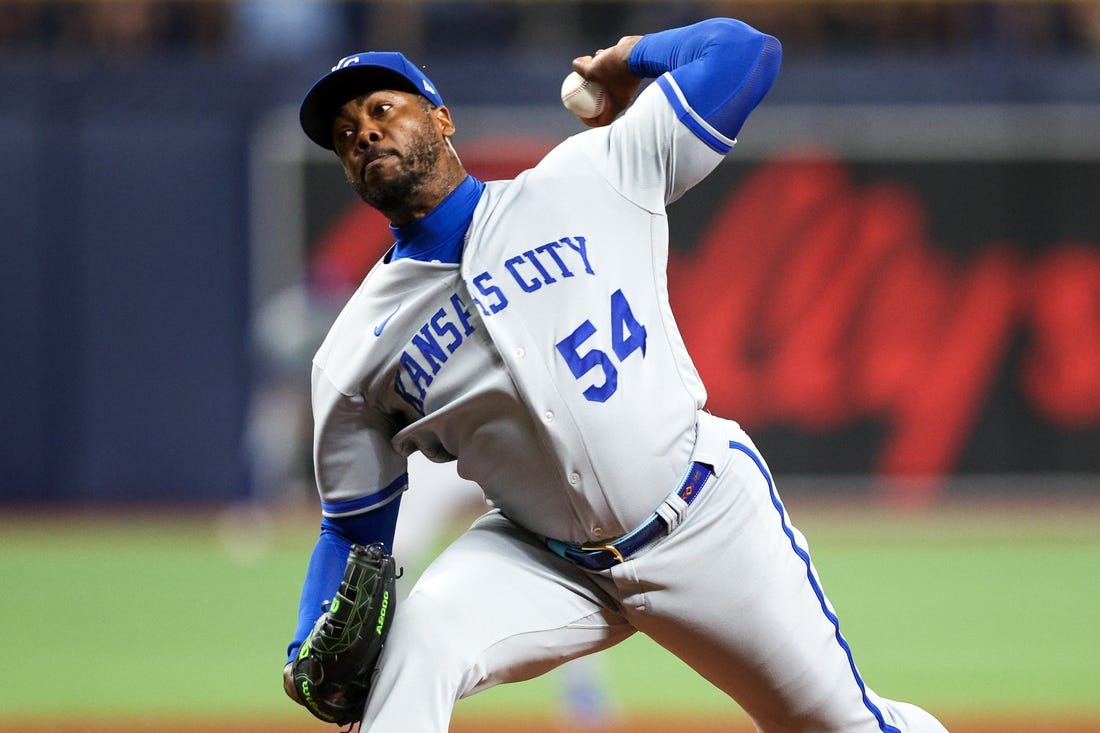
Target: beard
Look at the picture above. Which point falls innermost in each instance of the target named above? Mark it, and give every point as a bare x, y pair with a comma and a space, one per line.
417, 167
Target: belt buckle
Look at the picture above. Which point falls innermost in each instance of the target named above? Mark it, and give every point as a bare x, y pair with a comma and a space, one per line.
605, 548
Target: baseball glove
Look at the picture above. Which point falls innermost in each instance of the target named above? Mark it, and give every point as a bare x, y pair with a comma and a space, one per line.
335, 666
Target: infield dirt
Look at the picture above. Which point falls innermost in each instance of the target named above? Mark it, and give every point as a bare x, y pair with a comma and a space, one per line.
679, 725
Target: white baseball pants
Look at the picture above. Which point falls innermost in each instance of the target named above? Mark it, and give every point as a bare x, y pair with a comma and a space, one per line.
731, 591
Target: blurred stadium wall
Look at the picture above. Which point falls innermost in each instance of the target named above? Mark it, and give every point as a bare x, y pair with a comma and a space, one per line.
893, 282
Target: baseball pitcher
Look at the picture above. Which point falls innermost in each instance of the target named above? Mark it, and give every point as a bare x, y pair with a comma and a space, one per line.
522, 328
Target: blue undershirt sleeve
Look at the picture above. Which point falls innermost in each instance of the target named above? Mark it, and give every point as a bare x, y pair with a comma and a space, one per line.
722, 67
330, 555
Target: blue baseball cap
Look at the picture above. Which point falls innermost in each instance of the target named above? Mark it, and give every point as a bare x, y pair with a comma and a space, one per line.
352, 76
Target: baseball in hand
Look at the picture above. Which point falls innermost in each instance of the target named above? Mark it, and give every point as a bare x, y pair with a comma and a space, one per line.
582, 97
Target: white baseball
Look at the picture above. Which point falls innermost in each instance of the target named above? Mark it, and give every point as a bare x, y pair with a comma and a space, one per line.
582, 97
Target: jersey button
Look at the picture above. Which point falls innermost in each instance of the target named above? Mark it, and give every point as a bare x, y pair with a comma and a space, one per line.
574, 478
548, 416
597, 532
520, 352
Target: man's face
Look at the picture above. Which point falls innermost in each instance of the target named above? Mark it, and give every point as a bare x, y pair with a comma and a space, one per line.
390, 143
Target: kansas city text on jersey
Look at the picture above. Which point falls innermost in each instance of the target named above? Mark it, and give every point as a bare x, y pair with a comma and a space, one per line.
531, 269
438, 338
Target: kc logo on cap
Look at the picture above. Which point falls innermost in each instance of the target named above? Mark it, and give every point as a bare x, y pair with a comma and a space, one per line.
346, 61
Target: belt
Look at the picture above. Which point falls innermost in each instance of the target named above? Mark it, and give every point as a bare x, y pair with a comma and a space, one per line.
667, 517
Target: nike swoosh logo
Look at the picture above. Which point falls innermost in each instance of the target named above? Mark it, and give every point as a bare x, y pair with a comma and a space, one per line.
380, 326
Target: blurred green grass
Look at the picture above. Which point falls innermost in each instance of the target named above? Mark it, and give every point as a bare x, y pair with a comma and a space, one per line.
187, 616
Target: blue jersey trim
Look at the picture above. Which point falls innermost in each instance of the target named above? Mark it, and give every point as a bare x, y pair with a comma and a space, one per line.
368, 502
714, 140
816, 585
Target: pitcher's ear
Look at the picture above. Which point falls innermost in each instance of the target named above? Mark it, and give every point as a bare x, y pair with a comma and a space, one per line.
443, 121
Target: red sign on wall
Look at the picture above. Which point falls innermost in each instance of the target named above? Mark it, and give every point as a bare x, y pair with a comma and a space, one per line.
898, 318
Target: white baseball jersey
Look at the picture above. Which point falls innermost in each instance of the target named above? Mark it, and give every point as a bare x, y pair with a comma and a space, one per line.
548, 362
